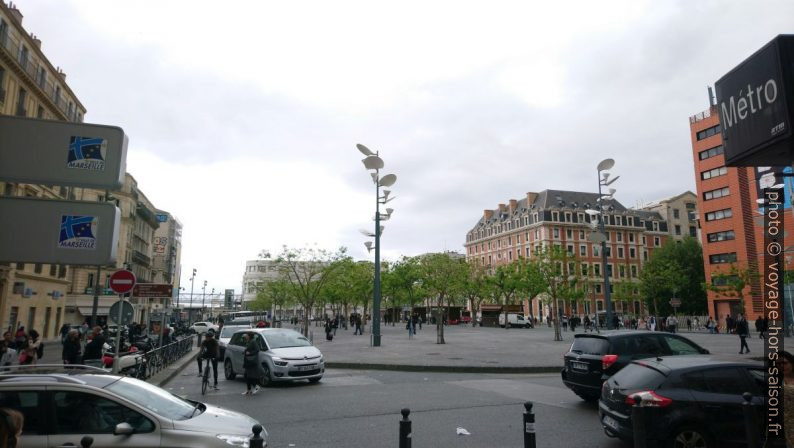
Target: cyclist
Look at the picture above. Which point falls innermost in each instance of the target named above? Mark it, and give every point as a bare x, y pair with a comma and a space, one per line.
209, 350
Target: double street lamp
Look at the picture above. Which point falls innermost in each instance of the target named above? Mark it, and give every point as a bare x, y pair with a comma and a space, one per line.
374, 163
601, 235
190, 308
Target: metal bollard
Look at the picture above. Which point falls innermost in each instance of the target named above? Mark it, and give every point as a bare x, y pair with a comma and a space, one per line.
638, 422
749, 420
198, 337
86, 441
257, 441
529, 426
405, 429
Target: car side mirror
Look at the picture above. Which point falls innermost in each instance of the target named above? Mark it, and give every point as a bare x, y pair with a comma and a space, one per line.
123, 429
705, 351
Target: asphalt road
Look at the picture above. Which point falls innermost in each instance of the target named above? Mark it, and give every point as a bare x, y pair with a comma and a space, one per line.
362, 408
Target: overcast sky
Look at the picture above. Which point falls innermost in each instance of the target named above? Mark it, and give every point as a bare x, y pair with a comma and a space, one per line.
243, 116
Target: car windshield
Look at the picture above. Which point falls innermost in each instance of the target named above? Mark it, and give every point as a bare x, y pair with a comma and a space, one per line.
153, 398
227, 332
590, 346
283, 339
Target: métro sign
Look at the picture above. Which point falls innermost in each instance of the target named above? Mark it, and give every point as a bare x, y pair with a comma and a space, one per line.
755, 102
62, 153
59, 232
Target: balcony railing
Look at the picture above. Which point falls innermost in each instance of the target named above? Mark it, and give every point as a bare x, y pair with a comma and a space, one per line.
141, 258
12, 46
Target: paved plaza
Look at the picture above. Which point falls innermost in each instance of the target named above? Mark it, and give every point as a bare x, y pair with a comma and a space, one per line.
479, 349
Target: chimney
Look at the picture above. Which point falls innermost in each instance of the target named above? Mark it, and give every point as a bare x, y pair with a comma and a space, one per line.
61, 74
513, 205
15, 12
531, 197
486, 214
36, 40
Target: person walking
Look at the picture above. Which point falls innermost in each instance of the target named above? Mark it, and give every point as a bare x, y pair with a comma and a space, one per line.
358, 331
210, 350
251, 365
33, 349
652, 323
743, 330
71, 348
8, 356
93, 350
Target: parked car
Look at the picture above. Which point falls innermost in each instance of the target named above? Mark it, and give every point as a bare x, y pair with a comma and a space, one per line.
594, 357
203, 327
690, 401
286, 355
514, 320
226, 334
61, 406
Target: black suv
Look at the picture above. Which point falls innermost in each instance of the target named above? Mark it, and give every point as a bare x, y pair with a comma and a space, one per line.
689, 401
594, 357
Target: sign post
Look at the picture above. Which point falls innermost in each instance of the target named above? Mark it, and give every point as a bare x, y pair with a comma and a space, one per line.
121, 282
675, 303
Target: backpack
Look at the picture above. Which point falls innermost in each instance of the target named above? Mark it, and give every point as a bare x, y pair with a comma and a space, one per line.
40, 351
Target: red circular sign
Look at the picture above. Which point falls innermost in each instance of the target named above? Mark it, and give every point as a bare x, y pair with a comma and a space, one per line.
122, 281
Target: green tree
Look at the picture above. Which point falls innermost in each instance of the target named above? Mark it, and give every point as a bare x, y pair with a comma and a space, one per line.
443, 280
557, 270
476, 288
732, 283
675, 269
623, 291
406, 279
506, 279
307, 270
275, 294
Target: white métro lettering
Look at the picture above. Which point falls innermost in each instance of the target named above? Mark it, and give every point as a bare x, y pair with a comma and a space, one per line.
749, 103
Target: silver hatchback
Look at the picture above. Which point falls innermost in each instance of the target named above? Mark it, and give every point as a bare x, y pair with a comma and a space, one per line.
286, 355
60, 407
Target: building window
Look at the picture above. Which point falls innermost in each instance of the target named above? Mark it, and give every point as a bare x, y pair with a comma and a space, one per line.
677, 229
656, 241
708, 132
21, 100
597, 269
609, 270
583, 250
570, 249
41, 76
632, 252
62, 271
53, 270
23, 56
622, 271
721, 236
634, 271
618, 221
619, 236
581, 234
729, 257
568, 217
631, 237
711, 152
718, 193
719, 214
569, 234
555, 216
528, 255
556, 232
655, 226
37, 268
620, 252
716, 172
584, 269
645, 255
676, 214
693, 231
596, 250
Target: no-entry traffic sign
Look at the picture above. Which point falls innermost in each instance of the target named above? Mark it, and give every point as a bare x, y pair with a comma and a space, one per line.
122, 281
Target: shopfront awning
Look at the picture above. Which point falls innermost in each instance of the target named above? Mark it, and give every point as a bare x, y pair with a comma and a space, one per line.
100, 311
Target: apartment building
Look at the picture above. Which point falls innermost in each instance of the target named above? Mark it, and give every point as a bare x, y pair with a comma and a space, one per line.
32, 294
730, 218
680, 212
522, 227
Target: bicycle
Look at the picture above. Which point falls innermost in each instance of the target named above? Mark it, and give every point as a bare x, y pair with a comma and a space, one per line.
205, 380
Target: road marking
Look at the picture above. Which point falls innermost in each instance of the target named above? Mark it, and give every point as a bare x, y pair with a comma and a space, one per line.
352, 380
537, 393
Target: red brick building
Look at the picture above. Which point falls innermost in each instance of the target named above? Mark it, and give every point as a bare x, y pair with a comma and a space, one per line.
553, 217
730, 221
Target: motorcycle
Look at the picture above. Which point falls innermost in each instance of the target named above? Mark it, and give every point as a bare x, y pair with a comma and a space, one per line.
131, 363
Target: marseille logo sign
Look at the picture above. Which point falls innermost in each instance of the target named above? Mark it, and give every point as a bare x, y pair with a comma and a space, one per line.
87, 153
78, 232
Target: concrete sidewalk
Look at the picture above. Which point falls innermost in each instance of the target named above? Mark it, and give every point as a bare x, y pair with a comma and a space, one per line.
487, 350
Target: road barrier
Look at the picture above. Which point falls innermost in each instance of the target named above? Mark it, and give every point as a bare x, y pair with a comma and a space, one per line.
257, 441
529, 426
405, 429
161, 357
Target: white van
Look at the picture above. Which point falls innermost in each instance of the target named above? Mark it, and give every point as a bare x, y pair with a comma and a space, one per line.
514, 320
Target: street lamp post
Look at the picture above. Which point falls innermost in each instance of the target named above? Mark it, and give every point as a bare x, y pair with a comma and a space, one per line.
203, 296
604, 181
374, 162
190, 308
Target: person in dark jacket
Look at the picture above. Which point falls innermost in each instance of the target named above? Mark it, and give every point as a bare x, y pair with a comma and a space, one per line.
251, 365
743, 330
71, 348
93, 350
210, 350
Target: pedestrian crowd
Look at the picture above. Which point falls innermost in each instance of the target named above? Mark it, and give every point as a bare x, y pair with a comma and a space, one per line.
21, 347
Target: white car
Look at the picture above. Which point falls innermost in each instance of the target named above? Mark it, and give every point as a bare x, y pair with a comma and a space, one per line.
226, 334
203, 327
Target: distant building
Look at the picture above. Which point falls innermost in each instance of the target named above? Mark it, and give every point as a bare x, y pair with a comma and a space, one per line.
32, 294
555, 217
680, 212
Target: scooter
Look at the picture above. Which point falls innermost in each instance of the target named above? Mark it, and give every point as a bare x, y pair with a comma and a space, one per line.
131, 363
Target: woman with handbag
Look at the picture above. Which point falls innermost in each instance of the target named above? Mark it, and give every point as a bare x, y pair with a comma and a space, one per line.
251, 364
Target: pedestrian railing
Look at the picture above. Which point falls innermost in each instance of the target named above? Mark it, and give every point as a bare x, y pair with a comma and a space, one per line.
158, 359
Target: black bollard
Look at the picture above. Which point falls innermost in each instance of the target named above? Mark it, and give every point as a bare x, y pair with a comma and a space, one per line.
638, 422
749, 420
529, 426
86, 441
257, 441
405, 429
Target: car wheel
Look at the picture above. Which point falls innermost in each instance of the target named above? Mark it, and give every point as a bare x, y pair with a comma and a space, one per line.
315, 380
689, 437
264, 380
590, 398
228, 370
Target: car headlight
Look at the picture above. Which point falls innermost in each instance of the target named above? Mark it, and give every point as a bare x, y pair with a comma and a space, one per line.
279, 362
235, 440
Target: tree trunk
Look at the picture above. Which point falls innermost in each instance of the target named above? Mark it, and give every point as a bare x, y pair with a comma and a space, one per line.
440, 323
556, 321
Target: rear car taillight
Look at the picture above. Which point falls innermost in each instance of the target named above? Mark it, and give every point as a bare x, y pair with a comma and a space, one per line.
649, 398
607, 361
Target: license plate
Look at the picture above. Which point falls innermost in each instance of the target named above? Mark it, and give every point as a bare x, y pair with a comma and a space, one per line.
579, 366
309, 367
610, 422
